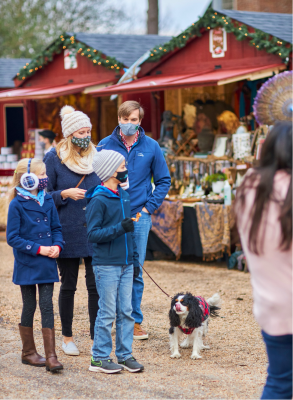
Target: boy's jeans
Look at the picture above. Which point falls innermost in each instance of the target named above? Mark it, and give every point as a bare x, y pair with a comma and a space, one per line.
114, 285
141, 233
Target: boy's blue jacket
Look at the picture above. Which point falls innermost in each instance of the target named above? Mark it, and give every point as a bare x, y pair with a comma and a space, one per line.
104, 213
144, 160
30, 226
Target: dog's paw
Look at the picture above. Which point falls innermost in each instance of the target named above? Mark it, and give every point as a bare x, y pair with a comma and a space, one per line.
175, 355
205, 347
195, 356
185, 344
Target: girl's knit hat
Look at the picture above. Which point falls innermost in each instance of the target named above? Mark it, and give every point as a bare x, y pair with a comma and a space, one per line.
72, 121
106, 162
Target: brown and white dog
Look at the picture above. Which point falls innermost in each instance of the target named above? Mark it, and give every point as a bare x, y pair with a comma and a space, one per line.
190, 315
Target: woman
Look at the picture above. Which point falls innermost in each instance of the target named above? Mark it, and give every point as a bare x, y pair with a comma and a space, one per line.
264, 218
70, 172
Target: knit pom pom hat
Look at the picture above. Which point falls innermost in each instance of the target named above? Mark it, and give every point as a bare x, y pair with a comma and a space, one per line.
72, 121
106, 162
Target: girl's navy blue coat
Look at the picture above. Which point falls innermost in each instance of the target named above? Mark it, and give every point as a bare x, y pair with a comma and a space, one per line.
71, 212
104, 213
30, 226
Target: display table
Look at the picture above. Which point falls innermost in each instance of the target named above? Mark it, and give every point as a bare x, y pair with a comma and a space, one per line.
205, 232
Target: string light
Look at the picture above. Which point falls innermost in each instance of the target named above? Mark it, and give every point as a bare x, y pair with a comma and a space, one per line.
94, 61
89, 55
82, 54
107, 61
99, 63
64, 47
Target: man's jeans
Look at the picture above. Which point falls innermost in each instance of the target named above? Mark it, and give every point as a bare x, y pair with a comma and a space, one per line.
141, 233
114, 285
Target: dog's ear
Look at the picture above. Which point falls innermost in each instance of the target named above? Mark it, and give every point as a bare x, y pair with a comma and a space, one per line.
195, 315
173, 317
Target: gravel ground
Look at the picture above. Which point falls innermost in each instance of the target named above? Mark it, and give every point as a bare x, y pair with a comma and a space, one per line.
234, 367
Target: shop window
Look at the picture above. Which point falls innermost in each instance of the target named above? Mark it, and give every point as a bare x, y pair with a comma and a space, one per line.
14, 125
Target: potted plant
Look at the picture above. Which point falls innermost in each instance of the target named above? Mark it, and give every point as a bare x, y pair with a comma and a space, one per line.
216, 181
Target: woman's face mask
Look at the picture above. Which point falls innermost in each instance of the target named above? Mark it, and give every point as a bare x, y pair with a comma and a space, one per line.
81, 142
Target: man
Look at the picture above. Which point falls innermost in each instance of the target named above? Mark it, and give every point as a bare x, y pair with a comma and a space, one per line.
144, 161
46, 139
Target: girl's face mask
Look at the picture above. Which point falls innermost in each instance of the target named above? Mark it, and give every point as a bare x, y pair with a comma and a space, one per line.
81, 142
122, 176
43, 183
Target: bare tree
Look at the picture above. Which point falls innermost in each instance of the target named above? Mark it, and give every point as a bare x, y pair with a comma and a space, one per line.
153, 17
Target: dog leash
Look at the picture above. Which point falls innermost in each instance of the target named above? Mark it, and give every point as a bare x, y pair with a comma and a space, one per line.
155, 282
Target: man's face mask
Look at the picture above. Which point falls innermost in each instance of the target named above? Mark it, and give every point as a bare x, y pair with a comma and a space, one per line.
129, 129
122, 176
81, 142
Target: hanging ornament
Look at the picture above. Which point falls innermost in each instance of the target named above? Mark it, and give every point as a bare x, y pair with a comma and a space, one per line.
273, 101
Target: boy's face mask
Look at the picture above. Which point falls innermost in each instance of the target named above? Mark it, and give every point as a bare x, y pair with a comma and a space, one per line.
128, 129
81, 142
122, 176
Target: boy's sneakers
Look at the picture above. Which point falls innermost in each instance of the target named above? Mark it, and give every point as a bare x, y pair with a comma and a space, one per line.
131, 365
106, 366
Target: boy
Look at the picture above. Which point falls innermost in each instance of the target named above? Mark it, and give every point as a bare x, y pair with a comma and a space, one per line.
115, 261
146, 161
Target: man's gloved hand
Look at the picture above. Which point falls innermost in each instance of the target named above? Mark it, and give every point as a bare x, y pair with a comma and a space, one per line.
128, 225
135, 272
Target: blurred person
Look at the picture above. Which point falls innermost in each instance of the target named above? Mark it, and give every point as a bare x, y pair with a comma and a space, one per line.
47, 140
70, 172
264, 218
144, 160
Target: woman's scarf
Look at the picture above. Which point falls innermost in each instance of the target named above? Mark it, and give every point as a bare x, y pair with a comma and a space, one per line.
84, 167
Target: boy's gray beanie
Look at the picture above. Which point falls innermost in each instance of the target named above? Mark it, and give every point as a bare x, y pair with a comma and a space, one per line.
106, 162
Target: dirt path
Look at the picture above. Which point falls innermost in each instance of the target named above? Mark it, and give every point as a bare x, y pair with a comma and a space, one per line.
234, 367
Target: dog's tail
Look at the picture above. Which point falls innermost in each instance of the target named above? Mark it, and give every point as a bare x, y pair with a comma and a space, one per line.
214, 302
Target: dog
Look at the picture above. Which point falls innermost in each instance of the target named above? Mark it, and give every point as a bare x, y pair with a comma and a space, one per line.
190, 315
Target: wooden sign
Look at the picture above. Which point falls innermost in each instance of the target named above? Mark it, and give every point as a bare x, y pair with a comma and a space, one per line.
218, 42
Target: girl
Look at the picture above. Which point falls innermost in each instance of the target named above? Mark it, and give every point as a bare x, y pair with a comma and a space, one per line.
34, 232
264, 218
71, 174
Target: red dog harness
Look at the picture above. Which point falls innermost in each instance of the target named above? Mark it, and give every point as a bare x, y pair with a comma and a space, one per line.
205, 314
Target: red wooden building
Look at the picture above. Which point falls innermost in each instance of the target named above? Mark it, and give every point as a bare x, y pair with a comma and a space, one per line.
188, 68
66, 73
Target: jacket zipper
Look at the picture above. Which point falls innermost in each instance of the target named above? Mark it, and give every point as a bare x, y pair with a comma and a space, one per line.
125, 233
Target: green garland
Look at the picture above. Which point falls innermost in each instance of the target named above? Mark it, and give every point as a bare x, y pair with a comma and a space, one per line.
67, 42
212, 19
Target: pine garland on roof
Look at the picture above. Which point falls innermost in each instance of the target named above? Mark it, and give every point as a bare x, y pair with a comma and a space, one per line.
212, 19
67, 42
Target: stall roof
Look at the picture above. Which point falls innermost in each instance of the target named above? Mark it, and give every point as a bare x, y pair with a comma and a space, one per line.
207, 78
8, 69
125, 48
278, 25
50, 92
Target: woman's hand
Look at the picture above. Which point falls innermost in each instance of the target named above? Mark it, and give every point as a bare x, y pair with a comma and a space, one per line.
54, 252
74, 194
44, 250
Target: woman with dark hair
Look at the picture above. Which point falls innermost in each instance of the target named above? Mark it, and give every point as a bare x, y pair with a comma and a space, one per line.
264, 218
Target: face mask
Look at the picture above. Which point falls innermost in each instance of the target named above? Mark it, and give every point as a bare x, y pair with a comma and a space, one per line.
122, 176
81, 142
42, 144
128, 129
43, 183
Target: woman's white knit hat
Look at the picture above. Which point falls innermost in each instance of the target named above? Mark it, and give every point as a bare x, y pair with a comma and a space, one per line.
72, 121
106, 162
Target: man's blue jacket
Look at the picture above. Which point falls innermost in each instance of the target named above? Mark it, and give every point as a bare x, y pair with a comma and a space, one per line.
144, 161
